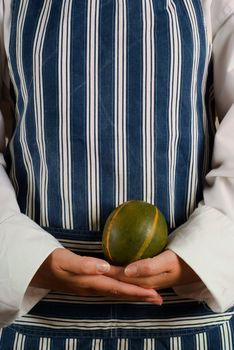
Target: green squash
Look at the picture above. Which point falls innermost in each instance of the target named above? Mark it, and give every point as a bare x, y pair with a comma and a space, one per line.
135, 230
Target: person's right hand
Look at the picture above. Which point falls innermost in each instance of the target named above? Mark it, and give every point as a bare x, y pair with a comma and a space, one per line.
68, 272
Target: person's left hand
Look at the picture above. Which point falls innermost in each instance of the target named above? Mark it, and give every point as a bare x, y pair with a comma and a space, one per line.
162, 271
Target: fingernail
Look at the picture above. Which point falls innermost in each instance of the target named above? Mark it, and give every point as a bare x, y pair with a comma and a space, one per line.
154, 301
131, 271
103, 267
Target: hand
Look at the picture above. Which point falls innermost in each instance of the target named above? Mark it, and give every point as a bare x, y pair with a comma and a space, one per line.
163, 271
68, 272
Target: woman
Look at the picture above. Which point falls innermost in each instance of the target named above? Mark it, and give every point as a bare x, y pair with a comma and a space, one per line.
114, 101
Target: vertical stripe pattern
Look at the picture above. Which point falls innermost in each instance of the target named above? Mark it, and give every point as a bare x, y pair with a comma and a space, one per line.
71, 344
132, 107
27, 159
148, 58
213, 338
120, 103
118, 97
175, 343
45, 344
84, 151
19, 341
122, 344
174, 102
97, 344
149, 344
226, 336
64, 114
201, 341
193, 167
92, 115
39, 109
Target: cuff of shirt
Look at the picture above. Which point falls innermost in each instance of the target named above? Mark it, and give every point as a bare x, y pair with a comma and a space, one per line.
206, 243
24, 247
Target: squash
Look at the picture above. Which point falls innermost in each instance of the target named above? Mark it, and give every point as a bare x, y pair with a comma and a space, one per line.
134, 230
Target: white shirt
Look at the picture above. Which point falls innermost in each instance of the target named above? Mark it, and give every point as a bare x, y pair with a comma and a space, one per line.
205, 241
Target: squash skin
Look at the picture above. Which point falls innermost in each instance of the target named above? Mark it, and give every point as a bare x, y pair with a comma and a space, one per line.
135, 230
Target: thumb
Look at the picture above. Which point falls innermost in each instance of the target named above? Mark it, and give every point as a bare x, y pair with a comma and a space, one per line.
82, 265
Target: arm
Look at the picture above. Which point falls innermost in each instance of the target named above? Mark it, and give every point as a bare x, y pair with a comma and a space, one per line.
213, 222
19, 260
199, 258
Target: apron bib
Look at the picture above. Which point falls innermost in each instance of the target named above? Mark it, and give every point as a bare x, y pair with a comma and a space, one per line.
113, 102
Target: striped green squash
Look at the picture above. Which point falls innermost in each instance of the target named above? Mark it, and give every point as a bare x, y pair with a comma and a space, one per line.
135, 230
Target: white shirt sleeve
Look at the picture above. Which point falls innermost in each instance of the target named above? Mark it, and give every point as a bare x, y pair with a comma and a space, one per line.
23, 244
206, 240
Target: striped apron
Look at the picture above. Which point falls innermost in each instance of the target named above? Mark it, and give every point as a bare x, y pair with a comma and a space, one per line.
113, 102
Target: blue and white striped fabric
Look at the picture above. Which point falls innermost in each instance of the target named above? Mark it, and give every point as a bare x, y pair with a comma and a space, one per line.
113, 102
19, 341
112, 105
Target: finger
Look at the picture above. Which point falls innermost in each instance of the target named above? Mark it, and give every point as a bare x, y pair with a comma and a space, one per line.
116, 272
104, 285
82, 265
154, 301
151, 266
122, 289
158, 281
